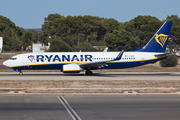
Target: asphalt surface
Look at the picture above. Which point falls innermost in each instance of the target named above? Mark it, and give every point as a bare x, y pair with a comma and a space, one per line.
31, 107
95, 76
90, 106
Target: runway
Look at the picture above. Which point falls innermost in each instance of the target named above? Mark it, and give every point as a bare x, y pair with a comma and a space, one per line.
90, 106
95, 76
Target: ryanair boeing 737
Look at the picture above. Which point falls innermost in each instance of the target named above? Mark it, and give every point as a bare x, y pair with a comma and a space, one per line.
75, 62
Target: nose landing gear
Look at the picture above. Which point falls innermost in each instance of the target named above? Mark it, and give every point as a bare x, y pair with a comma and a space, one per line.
18, 70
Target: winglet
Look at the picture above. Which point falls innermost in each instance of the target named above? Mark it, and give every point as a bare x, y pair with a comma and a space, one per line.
105, 50
120, 54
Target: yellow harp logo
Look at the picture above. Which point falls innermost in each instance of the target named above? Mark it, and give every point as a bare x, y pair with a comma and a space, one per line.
161, 39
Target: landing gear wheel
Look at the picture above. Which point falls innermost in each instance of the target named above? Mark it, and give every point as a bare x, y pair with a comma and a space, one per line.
20, 73
88, 72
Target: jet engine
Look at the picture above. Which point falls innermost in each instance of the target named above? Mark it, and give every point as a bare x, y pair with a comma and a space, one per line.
71, 68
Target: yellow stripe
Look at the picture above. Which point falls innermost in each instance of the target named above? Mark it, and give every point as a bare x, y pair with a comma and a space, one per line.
47, 64
73, 70
86, 62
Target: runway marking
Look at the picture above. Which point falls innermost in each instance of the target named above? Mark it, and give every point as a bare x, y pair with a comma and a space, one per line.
72, 113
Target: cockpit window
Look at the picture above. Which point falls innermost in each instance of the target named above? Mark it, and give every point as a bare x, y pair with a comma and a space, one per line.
13, 58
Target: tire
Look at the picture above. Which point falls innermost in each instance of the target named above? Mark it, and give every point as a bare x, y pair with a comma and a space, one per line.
20, 73
88, 72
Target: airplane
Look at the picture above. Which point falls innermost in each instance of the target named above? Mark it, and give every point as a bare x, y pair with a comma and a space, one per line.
75, 62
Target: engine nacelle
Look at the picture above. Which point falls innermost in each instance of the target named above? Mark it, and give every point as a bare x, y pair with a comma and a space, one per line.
71, 68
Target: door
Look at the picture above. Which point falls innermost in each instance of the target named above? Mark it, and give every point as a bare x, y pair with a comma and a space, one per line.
24, 59
142, 58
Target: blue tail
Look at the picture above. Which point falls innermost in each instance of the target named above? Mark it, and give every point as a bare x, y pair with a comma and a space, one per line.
158, 42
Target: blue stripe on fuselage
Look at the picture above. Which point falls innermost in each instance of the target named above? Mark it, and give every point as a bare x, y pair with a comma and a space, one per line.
115, 65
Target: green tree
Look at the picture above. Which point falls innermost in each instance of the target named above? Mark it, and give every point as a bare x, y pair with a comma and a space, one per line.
71, 40
174, 41
36, 35
11, 33
5, 22
117, 40
59, 46
133, 34
85, 47
11, 39
55, 24
6, 48
74, 29
110, 24
144, 27
28, 39
97, 43
170, 61
44, 38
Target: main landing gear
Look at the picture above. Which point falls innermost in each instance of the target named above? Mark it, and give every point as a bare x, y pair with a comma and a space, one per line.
20, 73
88, 72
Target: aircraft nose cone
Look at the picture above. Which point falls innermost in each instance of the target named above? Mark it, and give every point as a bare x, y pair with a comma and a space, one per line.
5, 63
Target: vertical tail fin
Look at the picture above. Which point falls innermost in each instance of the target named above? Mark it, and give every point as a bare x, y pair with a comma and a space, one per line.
158, 42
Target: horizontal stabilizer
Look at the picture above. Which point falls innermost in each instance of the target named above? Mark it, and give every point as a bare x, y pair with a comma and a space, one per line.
161, 54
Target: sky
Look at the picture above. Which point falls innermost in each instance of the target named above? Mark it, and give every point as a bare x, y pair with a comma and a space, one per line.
31, 13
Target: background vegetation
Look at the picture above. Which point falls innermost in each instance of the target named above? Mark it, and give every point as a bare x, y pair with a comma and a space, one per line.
74, 33
170, 61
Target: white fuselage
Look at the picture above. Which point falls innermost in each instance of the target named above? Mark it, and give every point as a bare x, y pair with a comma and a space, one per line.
55, 60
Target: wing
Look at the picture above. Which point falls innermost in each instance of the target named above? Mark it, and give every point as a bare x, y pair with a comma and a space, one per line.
100, 63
